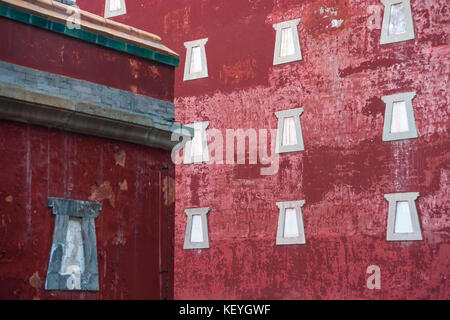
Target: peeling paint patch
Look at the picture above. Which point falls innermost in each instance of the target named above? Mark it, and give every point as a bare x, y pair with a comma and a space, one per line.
123, 185
119, 239
62, 54
35, 281
154, 72
336, 23
9, 198
120, 156
102, 192
327, 17
134, 66
76, 57
438, 51
281, 14
178, 22
134, 89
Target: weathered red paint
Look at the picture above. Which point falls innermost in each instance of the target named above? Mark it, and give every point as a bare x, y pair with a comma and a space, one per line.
134, 257
345, 169
131, 228
342, 174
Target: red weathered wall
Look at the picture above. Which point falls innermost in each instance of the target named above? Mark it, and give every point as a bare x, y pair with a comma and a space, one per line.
38, 163
345, 169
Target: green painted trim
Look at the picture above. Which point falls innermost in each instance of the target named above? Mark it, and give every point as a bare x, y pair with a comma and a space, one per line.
87, 36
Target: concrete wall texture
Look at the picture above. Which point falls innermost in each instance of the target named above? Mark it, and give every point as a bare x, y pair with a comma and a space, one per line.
342, 174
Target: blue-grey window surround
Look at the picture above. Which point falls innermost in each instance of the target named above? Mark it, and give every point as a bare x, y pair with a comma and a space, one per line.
63, 209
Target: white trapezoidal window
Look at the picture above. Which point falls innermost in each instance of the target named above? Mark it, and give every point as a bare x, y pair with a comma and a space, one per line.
73, 261
290, 223
196, 66
287, 44
196, 235
399, 121
403, 220
397, 21
115, 8
289, 133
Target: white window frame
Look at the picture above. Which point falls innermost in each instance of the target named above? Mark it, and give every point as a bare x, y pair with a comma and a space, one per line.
389, 101
64, 209
202, 212
297, 205
393, 198
189, 157
187, 66
386, 38
297, 55
281, 115
109, 13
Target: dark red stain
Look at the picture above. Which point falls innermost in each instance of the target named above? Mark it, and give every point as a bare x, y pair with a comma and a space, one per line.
195, 186
328, 167
368, 65
247, 171
374, 107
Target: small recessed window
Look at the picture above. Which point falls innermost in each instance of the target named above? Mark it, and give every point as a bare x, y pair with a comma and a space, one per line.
196, 235
289, 133
196, 150
115, 8
397, 21
403, 220
196, 66
287, 44
290, 223
399, 121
